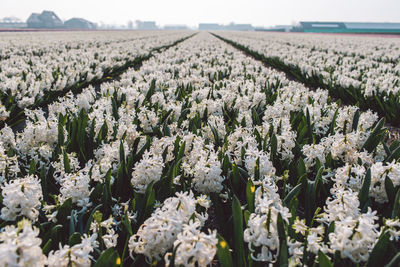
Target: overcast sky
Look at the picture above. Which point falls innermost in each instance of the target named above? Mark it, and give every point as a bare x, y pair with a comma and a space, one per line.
191, 12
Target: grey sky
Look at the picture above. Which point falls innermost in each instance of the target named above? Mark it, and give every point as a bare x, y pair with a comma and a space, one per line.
256, 12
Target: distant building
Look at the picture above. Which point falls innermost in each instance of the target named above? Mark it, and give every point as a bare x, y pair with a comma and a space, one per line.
175, 27
315, 26
231, 27
371, 27
146, 25
210, 26
239, 27
130, 24
45, 20
79, 23
348, 27
12, 23
277, 28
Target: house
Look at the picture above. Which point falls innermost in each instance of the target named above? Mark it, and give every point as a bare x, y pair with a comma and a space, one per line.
12, 23
79, 23
45, 20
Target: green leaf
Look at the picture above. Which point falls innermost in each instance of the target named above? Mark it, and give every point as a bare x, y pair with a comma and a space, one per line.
61, 137
181, 152
172, 259
226, 164
90, 219
333, 123
274, 147
32, 167
246, 216
235, 177
390, 191
165, 117
292, 194
47, 247
67, 164
377, 256
250, 193
257, 169
122, 153
109, 257
72, 222
324, 260
317, 182
64, 210
55, 233
223, 252
283, 253
138, 155
356, 118
364, 192
396, 206
74, 239
394, 155
301, 167
395, 262
238, 232
309, 127
127, 223
375, 137
106, 197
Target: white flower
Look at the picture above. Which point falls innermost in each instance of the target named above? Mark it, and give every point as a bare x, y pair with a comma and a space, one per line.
20, 246
77, 255
355, 237
148, 170
259, 233
76, 186
21, 196
300, 226
194, 248
393, 226
159, 232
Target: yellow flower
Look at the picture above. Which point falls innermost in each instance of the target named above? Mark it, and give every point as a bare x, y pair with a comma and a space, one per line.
222, 244
252, 188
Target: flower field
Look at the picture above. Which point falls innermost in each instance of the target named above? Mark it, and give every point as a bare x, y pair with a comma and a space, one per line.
361, 71
186, 149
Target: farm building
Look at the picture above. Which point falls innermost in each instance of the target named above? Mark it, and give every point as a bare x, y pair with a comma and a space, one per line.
349, 27
12, 23
146, 25
45, 20
210, 26
232, 27
175, 27
79, 23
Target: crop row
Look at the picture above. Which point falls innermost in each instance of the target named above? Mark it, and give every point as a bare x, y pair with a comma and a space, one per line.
202, 155
360, 71
31, 77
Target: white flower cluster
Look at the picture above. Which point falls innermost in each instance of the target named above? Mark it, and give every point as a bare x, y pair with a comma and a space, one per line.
148, 170
202, 163
77, 255
21, 197
191, 114
50, 65
352, 177
262, 231
159, 232
193, 248
20, 246
367, 64
355, 233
